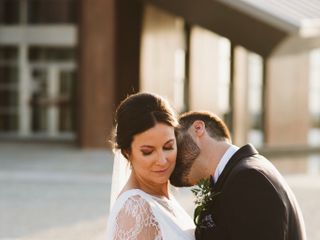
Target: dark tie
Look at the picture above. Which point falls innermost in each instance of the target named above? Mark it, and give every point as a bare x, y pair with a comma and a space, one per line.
211, 181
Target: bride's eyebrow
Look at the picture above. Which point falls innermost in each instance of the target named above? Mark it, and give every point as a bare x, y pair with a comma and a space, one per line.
149, 146
169, 141
146, 146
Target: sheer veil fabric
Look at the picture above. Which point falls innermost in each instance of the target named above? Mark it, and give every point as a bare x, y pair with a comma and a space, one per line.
120, 175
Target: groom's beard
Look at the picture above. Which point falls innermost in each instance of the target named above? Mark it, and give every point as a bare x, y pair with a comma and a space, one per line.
187, 153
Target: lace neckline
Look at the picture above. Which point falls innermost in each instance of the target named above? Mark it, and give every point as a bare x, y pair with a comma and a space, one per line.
164, 202
157, 197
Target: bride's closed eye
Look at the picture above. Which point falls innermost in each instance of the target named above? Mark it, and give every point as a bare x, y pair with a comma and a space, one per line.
146, 153
147, 150
168, 147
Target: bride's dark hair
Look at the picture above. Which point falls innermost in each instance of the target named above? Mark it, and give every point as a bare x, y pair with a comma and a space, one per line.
138, 113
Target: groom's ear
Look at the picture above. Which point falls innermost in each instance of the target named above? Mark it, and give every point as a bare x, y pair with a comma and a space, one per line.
199, 128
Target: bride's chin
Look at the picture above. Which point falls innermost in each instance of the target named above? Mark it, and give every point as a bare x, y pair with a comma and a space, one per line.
162, 180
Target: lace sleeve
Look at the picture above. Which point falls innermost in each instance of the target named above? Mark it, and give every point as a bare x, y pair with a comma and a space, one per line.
136, 221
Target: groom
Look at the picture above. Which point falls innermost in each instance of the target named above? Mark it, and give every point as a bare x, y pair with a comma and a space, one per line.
253, 202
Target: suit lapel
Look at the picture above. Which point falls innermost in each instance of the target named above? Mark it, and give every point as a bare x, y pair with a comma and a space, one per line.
244, 152
209, 226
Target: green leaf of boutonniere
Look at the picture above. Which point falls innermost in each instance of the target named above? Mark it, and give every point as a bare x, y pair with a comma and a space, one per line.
204, 196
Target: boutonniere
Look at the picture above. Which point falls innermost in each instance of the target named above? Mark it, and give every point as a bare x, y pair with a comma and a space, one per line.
204, 196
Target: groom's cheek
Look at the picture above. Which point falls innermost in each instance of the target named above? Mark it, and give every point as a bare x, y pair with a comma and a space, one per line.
177, 173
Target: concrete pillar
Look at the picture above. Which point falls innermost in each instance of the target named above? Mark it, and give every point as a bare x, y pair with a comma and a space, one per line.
109, 32
286, 100
53, 92
25, 112
209, 68
240, 116
163, 55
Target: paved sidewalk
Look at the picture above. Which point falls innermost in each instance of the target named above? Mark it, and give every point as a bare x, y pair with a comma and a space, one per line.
53, 192
60, 192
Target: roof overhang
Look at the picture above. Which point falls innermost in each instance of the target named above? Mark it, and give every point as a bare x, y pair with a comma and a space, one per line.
296, 17
245, 23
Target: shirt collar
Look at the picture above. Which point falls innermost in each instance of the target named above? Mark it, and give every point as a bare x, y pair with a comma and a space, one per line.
224, 160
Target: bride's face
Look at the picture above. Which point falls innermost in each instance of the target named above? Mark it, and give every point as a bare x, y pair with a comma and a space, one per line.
153, 154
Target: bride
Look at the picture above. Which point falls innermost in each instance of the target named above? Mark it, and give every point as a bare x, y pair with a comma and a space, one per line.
145, 139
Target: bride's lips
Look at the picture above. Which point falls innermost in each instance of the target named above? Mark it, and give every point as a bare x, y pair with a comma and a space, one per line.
161, 170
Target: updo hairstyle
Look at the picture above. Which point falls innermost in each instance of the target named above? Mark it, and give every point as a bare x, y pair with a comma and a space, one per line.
138, 113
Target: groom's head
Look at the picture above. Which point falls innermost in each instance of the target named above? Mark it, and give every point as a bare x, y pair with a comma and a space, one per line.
198, 133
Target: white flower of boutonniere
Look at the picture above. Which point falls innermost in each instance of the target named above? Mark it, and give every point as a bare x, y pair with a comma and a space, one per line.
204, 196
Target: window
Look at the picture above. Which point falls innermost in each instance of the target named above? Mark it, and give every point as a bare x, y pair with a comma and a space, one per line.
9, 11
51, 11
314, 98
67, 92
255, 78
38, 11
8, 89
51, 54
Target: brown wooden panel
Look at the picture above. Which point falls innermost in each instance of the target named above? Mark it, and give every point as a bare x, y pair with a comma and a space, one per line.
109, 46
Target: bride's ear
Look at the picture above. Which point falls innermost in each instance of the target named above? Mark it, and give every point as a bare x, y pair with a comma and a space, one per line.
125, 153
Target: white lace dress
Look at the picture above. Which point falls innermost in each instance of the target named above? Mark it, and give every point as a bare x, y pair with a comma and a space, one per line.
138, 215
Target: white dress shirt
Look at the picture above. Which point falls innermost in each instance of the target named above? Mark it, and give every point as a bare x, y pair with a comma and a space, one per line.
224, 160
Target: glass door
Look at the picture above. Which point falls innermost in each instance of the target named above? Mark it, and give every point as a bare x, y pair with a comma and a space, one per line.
52, 99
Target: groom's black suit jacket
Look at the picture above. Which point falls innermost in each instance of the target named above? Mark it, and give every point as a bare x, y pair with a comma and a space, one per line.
254, 203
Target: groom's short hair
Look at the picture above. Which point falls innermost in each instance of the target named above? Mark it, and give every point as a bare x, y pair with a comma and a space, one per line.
215, 126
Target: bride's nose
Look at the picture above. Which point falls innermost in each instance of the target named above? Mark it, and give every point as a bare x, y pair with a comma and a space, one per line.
162, 158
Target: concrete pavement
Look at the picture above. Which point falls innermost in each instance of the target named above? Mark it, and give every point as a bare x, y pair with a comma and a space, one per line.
59, 192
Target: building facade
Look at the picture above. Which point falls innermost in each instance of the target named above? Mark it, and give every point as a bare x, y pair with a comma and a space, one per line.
38, 65
66, 64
